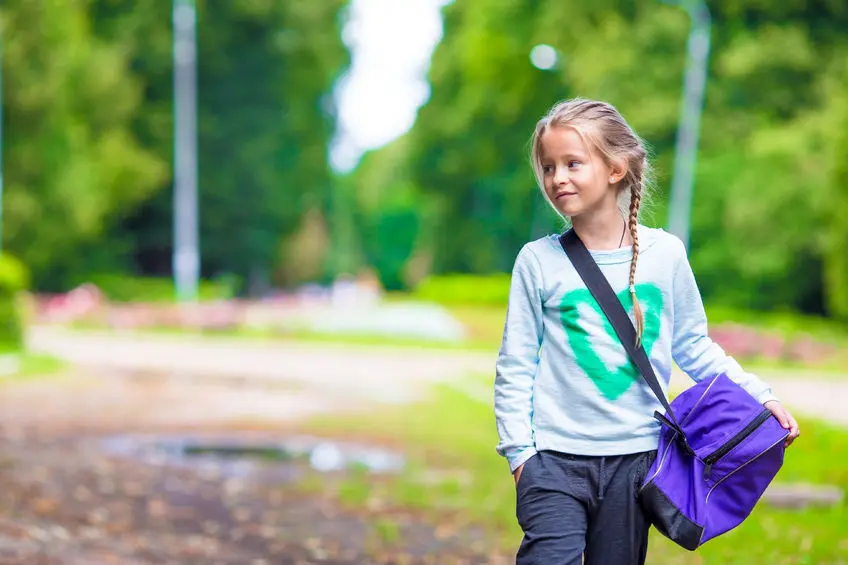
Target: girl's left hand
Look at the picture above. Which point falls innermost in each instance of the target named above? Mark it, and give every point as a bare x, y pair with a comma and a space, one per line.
786, 420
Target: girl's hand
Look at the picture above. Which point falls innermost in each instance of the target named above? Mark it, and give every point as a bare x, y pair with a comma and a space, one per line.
786, 420
517, 473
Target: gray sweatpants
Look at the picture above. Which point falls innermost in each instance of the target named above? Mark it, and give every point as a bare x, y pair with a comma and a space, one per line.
571, 505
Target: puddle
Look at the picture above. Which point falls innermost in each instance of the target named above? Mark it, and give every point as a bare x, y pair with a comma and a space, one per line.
229, 457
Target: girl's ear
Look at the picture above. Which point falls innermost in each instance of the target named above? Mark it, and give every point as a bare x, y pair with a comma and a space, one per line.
618, 169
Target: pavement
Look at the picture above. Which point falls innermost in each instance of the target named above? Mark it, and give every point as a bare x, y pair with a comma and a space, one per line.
331, 375
68, 500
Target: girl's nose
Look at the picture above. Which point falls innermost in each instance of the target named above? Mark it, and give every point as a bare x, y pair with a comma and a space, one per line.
561, 175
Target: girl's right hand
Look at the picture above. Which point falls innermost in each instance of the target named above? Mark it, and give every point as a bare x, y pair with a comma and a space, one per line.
517, 473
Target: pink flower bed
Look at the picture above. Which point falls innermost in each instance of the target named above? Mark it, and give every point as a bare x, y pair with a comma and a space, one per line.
87, 305
747, 343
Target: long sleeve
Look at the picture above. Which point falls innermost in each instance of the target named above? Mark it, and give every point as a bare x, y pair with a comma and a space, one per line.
518, 360
692, 349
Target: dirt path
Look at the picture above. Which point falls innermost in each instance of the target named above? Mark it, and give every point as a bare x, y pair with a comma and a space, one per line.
64, 503
333, 375
66, 500
371, 373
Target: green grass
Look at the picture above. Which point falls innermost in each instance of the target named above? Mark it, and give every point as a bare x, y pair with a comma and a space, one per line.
373, 340
34, 365
453, 471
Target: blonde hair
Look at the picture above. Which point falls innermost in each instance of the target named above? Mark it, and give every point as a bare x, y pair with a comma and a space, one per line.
604, 129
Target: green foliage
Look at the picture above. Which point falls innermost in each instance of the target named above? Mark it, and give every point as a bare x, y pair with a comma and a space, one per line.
88, 103
70, 159
13, 275
125, 288
465, 290
835, 205
39, 366
88, 120
265, 125
770, 192
390, 233
392, 238
13, 279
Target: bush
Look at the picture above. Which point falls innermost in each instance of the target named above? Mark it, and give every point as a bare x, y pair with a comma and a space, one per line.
126, 288
14, 279
466, 290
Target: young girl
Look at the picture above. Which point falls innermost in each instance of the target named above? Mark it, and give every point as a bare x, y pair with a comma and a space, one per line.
574, 417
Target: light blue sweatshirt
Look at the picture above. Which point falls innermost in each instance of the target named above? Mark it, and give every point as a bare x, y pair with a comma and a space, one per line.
565, 383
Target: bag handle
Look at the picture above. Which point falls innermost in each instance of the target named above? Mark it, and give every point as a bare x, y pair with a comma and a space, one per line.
600, 288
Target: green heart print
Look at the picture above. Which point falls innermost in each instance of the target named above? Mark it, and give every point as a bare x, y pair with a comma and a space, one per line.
611, 381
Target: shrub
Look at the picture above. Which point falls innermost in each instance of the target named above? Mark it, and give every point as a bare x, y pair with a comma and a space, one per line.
466, 290
13, 280
126, 288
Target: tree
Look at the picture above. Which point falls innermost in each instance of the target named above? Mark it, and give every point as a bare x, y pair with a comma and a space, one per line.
468, 150
769, 194
265, 74
70, 159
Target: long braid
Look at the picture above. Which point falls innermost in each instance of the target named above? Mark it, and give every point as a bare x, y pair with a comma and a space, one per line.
635, 201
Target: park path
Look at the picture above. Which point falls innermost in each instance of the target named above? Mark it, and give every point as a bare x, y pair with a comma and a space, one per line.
269, 380
69, 499
326, 373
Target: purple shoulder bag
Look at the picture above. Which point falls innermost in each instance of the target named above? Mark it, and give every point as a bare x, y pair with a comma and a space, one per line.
718, 449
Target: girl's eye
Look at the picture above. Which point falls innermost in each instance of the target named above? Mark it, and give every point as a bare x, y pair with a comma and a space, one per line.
572, 164
547, 169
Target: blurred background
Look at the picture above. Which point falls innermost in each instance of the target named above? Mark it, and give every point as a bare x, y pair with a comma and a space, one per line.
254, 261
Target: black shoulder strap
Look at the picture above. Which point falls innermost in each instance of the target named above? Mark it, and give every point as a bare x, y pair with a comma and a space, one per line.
614, 311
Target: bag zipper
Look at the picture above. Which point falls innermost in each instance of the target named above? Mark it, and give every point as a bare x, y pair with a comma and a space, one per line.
734, 441
743, 465
703, 396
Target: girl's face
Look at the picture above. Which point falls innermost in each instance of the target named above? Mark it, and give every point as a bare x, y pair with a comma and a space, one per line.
576, 178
